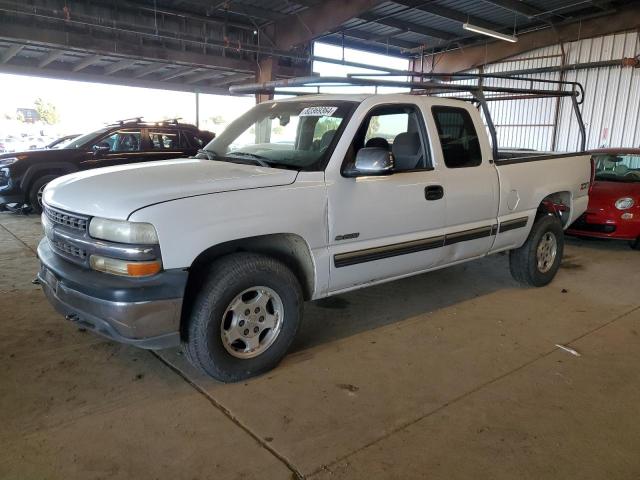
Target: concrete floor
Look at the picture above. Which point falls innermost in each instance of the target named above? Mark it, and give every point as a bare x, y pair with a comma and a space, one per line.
453, 374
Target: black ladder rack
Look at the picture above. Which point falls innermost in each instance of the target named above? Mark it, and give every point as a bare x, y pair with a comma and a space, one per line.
484, 90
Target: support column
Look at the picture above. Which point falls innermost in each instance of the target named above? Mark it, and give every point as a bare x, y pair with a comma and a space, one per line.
264, 73
197, 110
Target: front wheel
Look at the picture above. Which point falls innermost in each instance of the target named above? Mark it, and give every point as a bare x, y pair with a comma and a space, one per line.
635, 244
244, 318
36, 191
538, 260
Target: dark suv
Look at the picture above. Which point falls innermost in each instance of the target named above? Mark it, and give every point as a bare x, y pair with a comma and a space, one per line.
24, 175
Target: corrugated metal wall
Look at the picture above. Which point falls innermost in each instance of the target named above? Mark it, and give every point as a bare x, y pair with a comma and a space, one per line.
611, 108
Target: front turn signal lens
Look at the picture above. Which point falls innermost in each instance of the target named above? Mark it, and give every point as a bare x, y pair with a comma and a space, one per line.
143, 269
125, 268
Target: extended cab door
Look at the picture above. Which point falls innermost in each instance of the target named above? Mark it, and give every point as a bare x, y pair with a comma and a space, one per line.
387, 226
469, 179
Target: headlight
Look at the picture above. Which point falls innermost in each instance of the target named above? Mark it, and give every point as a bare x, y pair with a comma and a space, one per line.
5, 162
123, 231
624, 203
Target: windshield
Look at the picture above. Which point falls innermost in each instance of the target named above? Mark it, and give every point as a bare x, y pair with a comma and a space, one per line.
293, 134
82, 140
64, 143
618, 168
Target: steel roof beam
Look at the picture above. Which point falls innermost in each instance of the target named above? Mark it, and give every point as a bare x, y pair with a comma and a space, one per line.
228, 79
111, 80
492, 51
11, 52
204, 76
117, 66
311, 23
86, 62
524, 9
239, 9
176, 73
52, 56
449, 13
80, 43
409, 27
148, 70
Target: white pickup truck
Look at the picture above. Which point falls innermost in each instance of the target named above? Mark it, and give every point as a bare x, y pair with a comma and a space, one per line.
297, 200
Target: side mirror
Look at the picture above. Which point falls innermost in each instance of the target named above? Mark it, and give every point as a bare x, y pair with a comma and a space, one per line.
373, 161
101, 149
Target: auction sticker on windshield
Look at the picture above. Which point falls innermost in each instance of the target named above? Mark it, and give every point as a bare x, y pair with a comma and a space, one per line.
319, 111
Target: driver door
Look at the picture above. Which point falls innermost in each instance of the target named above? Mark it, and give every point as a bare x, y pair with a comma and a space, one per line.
382, 227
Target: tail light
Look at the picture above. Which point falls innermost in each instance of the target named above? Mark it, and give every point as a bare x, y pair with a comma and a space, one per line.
593, 174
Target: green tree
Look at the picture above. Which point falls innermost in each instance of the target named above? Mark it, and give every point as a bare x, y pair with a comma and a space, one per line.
324, 125
374, 126
47, 111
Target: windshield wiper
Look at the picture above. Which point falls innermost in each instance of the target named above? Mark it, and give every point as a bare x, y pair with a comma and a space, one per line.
260, 160
209, 154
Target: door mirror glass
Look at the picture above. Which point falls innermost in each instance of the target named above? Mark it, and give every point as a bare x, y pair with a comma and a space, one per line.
373, 161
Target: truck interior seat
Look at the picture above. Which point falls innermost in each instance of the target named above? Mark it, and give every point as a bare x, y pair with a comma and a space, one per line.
407, 150
377, 142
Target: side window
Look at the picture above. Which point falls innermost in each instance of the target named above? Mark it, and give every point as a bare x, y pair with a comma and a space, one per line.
191, 139
397, 128
163, 139
122, 141
458, 137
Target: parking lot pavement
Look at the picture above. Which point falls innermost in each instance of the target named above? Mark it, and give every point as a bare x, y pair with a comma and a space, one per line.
454, 373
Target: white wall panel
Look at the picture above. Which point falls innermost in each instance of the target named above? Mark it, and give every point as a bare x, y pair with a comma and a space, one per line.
611, 106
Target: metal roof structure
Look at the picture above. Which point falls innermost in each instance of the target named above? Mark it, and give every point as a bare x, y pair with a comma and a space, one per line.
208, 45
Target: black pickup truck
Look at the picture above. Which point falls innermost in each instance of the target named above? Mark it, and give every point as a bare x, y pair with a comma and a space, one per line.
23, 175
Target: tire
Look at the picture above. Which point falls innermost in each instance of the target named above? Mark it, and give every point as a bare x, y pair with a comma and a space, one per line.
635, 244
211, 324
35, 192
530, 268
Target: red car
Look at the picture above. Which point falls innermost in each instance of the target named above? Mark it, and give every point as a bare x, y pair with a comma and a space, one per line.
614, 201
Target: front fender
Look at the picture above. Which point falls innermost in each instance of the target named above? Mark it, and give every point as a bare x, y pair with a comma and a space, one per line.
35, 171
187, 227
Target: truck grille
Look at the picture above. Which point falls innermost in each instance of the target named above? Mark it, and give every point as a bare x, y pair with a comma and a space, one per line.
70, 220
69, 250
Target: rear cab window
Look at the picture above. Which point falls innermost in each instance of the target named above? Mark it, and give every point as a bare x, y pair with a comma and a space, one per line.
458, 137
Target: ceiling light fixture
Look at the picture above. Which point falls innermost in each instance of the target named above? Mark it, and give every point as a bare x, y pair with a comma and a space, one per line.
490, 33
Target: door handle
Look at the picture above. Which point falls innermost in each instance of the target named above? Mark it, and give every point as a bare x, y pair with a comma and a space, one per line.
434, 192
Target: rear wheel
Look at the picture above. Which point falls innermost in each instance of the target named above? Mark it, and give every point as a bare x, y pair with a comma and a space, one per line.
538, 260
244, 318
635, 244
36, 191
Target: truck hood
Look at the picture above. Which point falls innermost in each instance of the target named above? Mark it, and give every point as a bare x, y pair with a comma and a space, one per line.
116, 192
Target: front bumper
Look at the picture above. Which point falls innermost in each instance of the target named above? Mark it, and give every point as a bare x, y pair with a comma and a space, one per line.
9, 192
606, 226
143, 312
14, 198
